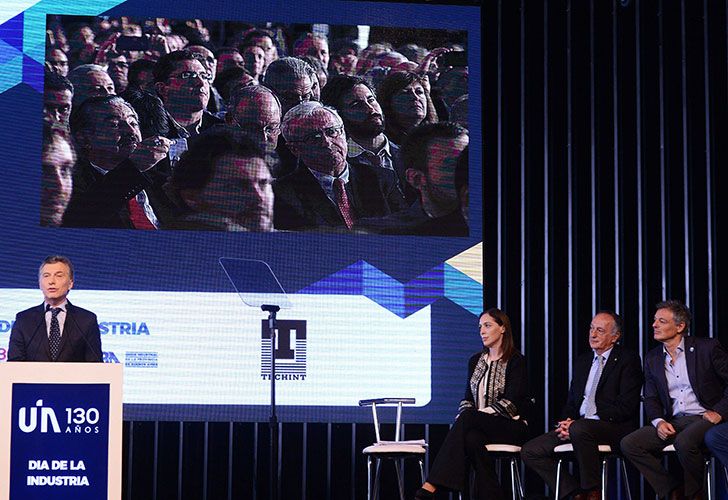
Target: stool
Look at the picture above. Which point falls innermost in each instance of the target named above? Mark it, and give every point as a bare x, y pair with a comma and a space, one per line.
605, 451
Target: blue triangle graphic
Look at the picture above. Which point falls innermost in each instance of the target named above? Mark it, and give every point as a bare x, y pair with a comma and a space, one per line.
11, 32
33, 73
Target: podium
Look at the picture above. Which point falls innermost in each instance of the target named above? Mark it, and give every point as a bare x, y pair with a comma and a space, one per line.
258, 286
60, 431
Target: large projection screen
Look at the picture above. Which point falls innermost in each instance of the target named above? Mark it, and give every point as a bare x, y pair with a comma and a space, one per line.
371, 316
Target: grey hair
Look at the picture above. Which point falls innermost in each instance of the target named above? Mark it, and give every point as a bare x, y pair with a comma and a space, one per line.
79, 72
680, 312
241, 92
82, 118
304, 110
53, 259
282, 72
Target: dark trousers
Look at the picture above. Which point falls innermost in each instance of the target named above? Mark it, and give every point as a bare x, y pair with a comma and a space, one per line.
716, 439
465, 446
644, 449
585, 436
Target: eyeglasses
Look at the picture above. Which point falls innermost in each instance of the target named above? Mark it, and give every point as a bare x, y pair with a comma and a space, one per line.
186, 75
599, 330
268, 130
293, 97
200, 57
315, 137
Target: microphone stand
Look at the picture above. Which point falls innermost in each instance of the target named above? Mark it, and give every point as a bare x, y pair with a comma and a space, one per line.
273, 421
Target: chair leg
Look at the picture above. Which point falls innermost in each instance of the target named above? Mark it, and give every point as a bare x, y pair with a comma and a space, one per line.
376, 478
558, 478
725, 475
369, 477
709, 477
626, 478
604, 477
400, 478
515, 480
519, 482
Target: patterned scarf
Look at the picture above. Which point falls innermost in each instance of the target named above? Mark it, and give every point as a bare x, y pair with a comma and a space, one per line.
494, 387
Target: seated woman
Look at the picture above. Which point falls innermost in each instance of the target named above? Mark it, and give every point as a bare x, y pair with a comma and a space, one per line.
492, 412
405, 100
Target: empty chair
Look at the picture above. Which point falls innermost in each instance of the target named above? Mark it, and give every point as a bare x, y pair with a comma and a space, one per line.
396, 450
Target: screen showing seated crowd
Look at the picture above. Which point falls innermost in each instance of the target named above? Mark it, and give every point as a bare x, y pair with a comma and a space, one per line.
224, 170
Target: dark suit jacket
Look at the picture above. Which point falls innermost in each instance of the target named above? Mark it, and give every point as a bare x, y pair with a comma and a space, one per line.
516, 387
618, 391
301, 203
415, 221
410, 194
81, 339
707, 364
101, 200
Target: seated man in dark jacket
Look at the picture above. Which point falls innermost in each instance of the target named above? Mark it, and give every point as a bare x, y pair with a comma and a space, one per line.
602, 408
326, 191
109, 181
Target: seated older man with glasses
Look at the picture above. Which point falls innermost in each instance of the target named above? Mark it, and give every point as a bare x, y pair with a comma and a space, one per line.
326, 190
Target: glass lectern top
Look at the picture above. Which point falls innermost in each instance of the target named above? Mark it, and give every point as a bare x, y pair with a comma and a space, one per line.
255, 282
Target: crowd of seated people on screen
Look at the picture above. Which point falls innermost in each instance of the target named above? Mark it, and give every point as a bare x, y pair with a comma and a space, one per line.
149, 124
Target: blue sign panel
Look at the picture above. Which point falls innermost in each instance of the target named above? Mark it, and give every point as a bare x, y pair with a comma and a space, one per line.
59, 441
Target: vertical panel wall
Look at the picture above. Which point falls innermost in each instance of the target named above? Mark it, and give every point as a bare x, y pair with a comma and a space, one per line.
605, 179
605, 171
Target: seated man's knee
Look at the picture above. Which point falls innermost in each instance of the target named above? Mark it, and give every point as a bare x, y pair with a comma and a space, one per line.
713, 438
629, 444
579, 429
684, 444
530, 451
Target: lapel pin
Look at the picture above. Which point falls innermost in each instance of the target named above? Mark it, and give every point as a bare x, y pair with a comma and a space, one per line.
692, 349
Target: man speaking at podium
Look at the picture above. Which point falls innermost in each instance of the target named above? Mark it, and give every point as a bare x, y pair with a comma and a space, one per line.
55, 330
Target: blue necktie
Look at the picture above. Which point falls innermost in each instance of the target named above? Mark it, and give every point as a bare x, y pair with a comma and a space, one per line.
55, 334
591, 403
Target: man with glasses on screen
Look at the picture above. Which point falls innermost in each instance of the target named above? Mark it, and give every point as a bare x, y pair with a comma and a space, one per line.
118, 70
326, 190
257, 112
209, 61
183, 84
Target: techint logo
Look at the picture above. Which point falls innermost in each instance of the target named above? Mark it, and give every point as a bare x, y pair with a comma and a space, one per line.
290, 352
78, 421
6, 325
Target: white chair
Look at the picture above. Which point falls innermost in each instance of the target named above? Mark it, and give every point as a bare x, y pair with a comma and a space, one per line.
396, 450
511, 453
707, 459
606, 453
